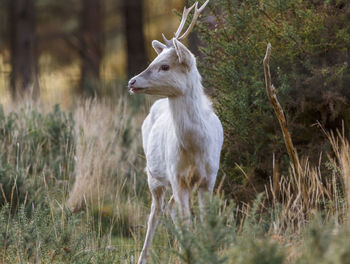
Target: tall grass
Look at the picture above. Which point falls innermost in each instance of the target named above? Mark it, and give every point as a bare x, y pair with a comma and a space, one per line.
106, 148
108, 164
90, 162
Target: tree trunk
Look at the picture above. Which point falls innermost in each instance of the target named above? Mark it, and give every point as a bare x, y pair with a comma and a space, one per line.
135, 40
24, 57
91, 46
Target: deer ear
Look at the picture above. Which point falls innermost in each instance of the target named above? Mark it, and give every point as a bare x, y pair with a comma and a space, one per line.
184, 55
158, 46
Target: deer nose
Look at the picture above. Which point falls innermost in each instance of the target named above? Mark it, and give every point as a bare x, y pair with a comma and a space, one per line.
132, 82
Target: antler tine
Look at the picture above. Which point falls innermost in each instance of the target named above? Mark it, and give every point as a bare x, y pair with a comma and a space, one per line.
184, 18
193, 22
168, 43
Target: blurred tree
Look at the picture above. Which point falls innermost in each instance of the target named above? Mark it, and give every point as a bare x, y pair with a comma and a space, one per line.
58, 25
135, 40
91, 45
24, 57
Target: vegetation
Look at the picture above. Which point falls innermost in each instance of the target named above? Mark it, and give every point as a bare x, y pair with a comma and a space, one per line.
282, 225
38, 151
310, 68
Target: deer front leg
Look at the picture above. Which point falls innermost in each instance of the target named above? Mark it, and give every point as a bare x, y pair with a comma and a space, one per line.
182, 199
171, 209
157, 204
205, 195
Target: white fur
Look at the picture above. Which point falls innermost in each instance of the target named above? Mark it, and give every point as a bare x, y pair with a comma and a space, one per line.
182, 136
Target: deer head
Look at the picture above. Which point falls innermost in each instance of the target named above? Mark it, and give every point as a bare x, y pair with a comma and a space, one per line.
168, 72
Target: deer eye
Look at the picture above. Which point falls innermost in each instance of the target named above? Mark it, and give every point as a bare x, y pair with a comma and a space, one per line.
164, 67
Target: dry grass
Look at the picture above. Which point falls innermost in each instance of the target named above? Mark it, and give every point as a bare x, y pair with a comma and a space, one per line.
301, 197
341, 162
108, 145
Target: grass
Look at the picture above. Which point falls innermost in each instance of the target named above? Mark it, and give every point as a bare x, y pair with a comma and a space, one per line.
90, 162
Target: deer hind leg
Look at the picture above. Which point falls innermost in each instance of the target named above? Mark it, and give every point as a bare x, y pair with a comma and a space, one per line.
156, 208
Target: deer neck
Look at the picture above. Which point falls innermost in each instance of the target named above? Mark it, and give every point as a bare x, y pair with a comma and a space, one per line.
188, 113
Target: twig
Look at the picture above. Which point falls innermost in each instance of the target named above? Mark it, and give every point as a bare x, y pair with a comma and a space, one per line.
270, 89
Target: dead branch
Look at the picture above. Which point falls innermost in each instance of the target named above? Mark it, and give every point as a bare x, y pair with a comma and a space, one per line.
270, 89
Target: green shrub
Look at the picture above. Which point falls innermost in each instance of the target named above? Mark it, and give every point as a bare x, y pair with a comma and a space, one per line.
49, 236
324, 242
221, 237
310, 68
217, 237
210, 233
37, 152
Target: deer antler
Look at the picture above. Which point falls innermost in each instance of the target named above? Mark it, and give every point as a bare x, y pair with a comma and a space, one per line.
185, 14
184, 18
197, 12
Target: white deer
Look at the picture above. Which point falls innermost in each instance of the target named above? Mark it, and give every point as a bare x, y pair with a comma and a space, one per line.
182, 136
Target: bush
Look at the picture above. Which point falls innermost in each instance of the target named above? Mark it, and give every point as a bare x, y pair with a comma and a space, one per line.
217, 237
324, 243
49, 236
37, 151
310, 67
